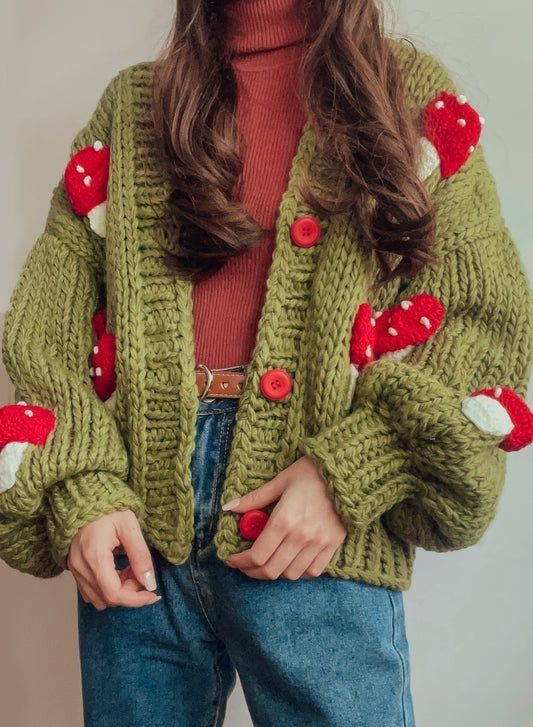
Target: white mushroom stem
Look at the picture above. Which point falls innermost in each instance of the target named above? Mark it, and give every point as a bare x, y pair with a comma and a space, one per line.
354, 373
429, 160
488, 415
398, 355
10, 459
97, 219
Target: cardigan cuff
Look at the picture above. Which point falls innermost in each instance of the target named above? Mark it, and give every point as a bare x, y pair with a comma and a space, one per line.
365, 467
77, 501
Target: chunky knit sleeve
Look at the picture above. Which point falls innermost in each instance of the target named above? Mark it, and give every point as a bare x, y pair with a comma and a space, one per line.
423, 445
63, 461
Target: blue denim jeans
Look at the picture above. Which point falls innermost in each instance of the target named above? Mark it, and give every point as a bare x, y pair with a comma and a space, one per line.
319, 652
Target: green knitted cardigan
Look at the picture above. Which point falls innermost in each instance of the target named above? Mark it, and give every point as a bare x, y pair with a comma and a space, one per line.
404, 465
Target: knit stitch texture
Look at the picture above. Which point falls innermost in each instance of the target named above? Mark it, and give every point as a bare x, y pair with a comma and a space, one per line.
404, 465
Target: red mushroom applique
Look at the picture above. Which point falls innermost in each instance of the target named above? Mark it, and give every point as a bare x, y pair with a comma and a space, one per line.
86, 177
103, 357
502, 412
452, 129
21, 425
391, 333
363, 341
408, 324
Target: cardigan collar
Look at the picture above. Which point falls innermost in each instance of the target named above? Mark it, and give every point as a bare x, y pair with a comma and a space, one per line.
157, 394
162, 372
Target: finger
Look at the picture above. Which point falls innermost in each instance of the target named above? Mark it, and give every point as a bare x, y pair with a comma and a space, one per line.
82, 571
279, 562
139, 556
301, 562
263, 548
262, 496
89, 594
128, 580
322, 560
126, 573
132, 584
112, 589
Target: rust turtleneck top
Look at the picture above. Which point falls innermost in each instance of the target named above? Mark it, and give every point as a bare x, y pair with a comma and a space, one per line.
266, 43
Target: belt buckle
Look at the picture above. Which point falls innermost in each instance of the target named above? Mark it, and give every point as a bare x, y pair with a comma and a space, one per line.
209, 380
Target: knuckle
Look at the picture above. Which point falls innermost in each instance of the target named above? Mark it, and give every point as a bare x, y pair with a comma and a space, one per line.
74, 561
307, 533
281, 522
269, 573
291, 575
111, 598
257, 559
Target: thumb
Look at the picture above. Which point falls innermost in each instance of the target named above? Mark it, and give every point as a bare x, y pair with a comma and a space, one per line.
131, 537
260, 497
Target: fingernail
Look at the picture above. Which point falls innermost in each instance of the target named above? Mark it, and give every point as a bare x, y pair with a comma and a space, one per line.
149, 580
231, 504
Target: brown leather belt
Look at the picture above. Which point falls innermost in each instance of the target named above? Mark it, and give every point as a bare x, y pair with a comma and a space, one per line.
219, 383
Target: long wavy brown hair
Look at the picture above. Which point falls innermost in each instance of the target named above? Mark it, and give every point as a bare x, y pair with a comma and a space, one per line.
357, 104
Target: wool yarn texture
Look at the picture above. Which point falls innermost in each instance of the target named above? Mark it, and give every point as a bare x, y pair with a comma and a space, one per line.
406, 462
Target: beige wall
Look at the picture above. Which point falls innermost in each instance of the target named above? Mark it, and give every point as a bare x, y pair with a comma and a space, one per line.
469, 612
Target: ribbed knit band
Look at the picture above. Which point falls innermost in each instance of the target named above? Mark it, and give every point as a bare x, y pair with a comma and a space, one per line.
262, 25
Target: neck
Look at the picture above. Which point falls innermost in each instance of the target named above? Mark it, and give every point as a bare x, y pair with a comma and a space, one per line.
255, 26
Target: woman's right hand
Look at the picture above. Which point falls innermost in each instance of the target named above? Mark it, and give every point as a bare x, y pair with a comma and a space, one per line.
91, 562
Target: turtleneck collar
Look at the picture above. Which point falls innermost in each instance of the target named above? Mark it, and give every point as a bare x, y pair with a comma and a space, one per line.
256, 26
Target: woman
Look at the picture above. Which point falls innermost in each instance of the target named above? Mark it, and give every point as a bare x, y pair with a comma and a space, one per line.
274, 336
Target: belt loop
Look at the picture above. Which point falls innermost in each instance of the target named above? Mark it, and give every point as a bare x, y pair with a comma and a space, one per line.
209, 378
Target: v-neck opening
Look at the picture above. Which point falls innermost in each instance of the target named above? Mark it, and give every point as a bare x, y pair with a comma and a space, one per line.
289, 191
163, 377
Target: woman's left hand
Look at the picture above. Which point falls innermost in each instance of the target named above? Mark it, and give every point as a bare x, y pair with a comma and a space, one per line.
302, 532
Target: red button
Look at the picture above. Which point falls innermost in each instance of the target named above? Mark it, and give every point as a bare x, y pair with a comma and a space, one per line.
305, 231
275, 384
251, 524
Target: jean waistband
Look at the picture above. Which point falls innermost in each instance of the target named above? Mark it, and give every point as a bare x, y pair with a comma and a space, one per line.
218, 405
